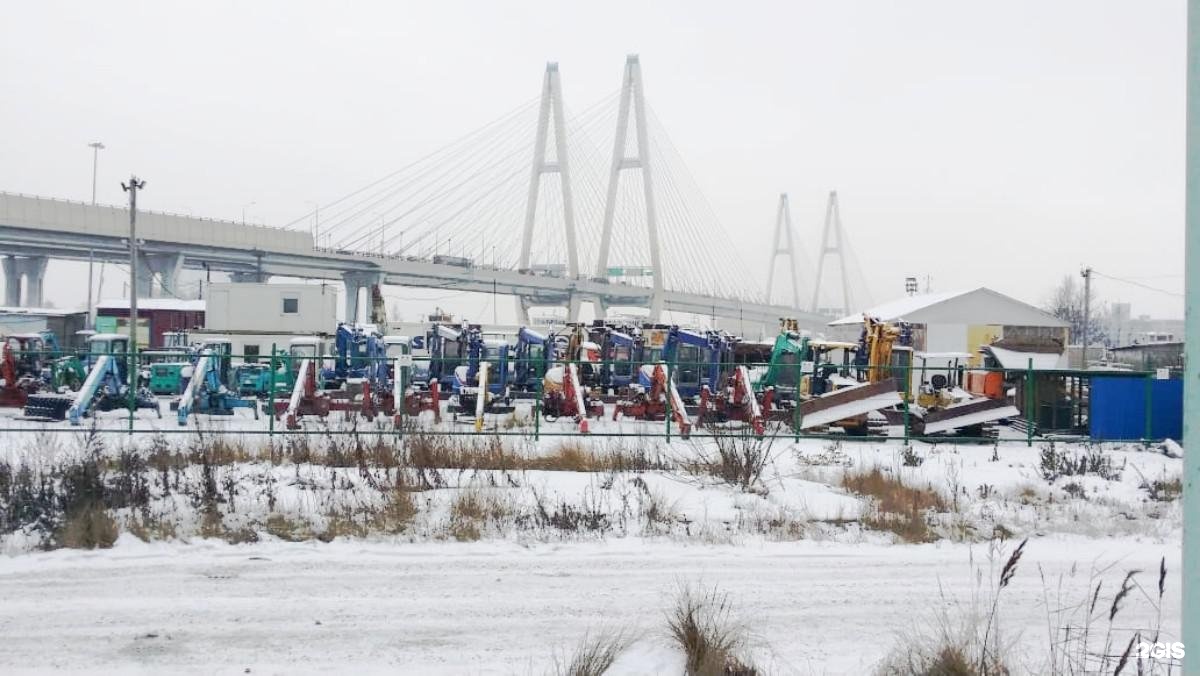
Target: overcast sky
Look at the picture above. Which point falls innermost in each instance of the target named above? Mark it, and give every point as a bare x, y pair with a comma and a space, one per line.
1000, 144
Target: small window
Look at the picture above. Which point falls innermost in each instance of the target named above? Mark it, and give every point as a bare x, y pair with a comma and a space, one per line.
250, 354
291, 306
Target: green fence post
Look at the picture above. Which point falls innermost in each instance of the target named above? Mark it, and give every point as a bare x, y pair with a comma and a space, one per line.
271, 394
1029, 407
1149, 407
670, 381
537, 409
796, 398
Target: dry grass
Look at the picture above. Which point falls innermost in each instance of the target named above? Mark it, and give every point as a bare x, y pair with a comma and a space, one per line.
702, 627
594, 655
88, 527
148, 528
473, 511
736, 458
896, 507
439, 452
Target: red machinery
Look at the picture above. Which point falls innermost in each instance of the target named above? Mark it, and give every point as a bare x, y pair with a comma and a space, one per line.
414, 402
14, 389
735, 401
652, 405
306, 399
569, 398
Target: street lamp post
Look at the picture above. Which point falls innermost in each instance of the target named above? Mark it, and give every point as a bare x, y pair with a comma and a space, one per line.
96, 147
250, 204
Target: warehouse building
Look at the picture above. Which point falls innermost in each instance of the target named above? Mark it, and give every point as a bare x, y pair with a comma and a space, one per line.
63, 323
964, 321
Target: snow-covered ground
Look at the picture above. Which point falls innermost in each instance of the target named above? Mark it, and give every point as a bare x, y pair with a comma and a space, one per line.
380, 607
818, 591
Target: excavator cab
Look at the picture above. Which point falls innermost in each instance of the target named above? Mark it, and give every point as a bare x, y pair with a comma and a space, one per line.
28, 353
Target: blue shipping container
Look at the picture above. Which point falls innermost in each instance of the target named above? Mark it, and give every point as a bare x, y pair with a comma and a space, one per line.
1117, 408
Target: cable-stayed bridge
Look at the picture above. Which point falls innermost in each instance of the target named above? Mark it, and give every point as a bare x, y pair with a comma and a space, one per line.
553, 208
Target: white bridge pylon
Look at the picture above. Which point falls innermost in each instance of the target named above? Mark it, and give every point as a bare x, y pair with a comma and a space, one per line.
632, 94
552, 104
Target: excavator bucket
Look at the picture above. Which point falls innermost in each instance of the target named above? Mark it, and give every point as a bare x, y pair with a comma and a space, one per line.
848, 402
971, 413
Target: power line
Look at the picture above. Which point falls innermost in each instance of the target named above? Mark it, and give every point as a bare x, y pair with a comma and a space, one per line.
1138, 284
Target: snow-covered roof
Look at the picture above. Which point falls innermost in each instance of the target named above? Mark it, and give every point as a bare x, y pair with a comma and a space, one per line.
901, 307
153, 304
980, 305
1011, 359
39, 311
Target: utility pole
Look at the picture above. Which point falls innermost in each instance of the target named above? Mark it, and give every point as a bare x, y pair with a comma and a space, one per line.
96, 147
132, 188
1086, 273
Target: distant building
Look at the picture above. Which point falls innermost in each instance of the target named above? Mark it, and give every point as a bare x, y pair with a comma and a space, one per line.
64, 323
1150, 356
156, 316
964, 321
274, 308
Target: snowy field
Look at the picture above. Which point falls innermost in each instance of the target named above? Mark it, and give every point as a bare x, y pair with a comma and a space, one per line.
511, 551
347, 607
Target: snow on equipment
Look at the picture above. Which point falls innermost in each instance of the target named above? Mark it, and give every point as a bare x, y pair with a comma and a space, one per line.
471, 380
563, 395
943, 405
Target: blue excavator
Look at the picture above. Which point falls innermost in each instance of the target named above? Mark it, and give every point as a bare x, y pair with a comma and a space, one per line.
206, 391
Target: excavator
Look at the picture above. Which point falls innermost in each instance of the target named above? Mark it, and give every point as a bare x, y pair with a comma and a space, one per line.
564, 395
484, 377
15, 387
106, 387
534, 353
206, 391
650, 402
393, 381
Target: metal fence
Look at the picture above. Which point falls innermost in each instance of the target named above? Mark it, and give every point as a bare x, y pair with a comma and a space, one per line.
1088, 405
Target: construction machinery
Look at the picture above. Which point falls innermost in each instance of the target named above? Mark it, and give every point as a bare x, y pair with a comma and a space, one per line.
944, 405
533, 355
167, 368
785, 366
835, 398
483, 378
652, 400
107, 386
357, 350
448, 349
696, 360
302, 382
252, 379
394, 381
14, 387
564, 395
206, 392
735, 400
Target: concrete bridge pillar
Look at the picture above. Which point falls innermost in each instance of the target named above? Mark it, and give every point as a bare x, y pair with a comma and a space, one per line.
34, 269
573, 308
158, 274
355, 282
12, 281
